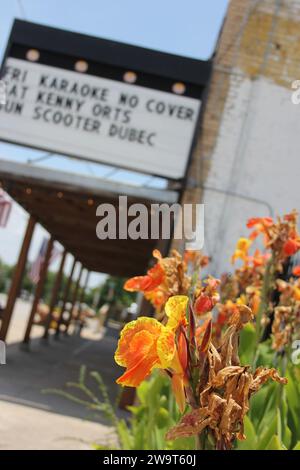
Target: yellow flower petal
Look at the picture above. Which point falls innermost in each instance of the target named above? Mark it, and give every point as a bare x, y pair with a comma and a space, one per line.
243, 244
176, 311
178, 390
166, 348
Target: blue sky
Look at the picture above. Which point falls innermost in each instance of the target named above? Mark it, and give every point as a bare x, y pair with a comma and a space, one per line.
189, 28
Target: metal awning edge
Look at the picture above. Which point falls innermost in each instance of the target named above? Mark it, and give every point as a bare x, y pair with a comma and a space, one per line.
16, 171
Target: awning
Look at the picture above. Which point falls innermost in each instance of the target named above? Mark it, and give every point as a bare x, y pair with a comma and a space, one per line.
65, 205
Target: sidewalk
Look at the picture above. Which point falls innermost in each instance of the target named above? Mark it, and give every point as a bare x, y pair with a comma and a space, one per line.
31, 419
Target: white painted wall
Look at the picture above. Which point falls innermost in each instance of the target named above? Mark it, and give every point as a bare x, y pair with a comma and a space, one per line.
257, 155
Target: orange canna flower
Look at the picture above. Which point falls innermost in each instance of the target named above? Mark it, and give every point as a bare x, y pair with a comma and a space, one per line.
291, 217
260, 225
191, 256
166, 279
146, 344
296, 271
255, 302
138, 350
291, 246
260, 222
149, 282
226, 310
259, 259
195, 257
157, 297
241, 251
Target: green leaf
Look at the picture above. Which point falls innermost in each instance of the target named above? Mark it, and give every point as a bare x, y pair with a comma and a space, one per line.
275, 444
287, 437
159, 438
82, 374
286, 434
265, 354
251, 439
124, 435
247, 343
293, 402
162, 417
266, 435
142, 392
262, 406
184, 443
297, 446
141, 435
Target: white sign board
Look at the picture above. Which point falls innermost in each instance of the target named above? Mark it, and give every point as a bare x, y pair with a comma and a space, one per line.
97, 118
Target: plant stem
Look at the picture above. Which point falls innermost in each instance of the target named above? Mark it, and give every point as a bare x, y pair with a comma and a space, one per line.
200, 441
263, 306
280, 396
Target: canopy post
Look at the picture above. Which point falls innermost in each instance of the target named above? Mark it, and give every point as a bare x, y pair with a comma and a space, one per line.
17, 279
39, 289
54, 294
65, 298
74, 298
84, 287
81, 297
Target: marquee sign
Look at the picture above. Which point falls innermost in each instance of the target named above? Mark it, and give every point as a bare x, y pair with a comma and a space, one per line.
120, 112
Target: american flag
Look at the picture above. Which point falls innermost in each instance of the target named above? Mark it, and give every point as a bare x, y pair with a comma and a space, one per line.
5, 208
34, 273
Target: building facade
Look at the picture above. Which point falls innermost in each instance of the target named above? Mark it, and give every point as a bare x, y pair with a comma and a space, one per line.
247, 158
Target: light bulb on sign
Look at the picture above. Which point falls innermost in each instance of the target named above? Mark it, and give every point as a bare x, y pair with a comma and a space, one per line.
130, 77
179, 88
33, 55
81, 66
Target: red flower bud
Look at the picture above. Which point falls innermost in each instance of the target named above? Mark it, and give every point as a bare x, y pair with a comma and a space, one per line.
206, 338
203, 304
296, 271
182, 350
290, 247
